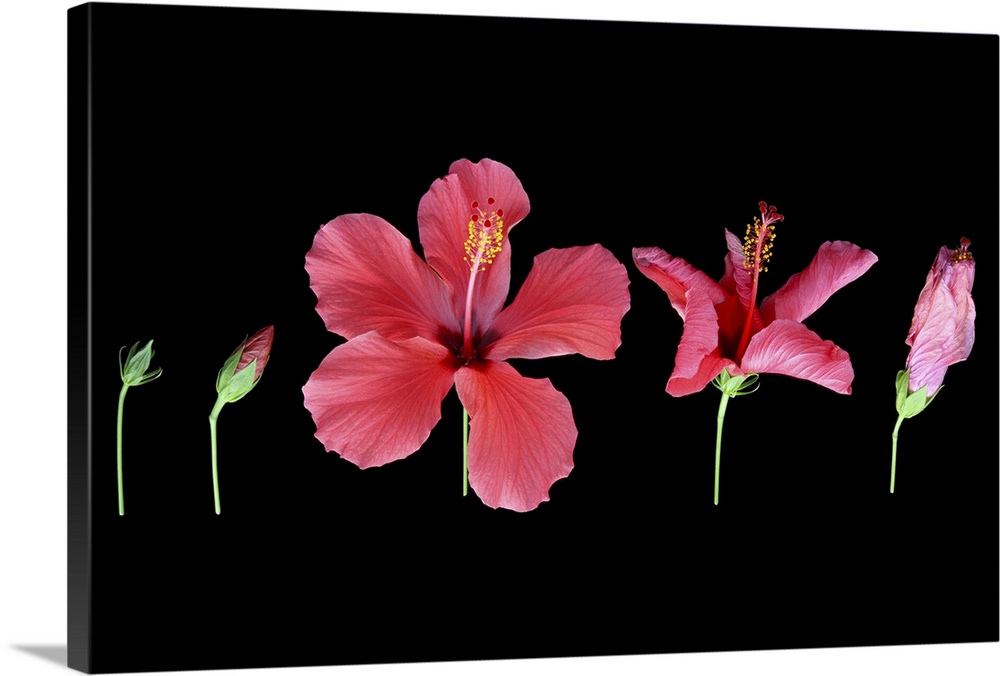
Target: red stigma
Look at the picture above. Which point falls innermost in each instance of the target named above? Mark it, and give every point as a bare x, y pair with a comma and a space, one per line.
769, 214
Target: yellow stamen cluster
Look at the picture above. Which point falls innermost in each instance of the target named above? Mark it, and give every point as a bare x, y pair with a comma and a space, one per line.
485, 240
757, 236
962, 253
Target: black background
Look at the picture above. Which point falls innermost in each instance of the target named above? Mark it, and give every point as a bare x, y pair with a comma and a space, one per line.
222, 139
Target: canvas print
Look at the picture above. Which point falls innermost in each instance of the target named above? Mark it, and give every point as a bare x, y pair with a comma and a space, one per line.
513, 360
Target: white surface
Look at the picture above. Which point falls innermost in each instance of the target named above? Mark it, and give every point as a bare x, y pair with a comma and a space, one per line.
33, 329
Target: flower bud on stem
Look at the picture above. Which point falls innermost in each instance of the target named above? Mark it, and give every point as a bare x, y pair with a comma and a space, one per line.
239, 375
133, 373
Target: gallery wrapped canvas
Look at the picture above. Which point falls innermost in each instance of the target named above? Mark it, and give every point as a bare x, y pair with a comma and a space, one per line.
459, 453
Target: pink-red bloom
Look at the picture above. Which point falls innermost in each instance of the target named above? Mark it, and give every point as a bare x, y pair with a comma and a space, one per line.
725, 329
416, 328
944, 320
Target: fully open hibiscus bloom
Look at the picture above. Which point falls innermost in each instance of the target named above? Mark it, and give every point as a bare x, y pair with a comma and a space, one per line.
941, 334
415, 328
728, 339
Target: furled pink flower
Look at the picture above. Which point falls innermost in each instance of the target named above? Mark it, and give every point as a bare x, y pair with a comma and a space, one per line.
944, 320
941, 334
415, 328
723, 327
728, 340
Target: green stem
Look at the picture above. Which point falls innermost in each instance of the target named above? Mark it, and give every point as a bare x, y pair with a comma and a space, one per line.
121, 410
465, 451
718, 442
895, 436
220, 402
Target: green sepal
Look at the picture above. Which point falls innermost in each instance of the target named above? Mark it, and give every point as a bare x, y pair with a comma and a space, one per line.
133, 372
736, 386
910, 404
227, 371
240, 384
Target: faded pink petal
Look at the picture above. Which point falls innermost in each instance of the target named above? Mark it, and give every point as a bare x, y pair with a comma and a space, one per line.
366, 276
835, 265
675, 276
572, 301
944, 321
521, 438
788, 348
257, 346
443, 217
698, 359
374, 401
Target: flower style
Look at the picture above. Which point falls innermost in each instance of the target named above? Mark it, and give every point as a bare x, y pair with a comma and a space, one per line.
416, 328
941, 334
728, 339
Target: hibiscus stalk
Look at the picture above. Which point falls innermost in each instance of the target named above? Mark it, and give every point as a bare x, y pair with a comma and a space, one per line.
212, 423
133, 373
895, 437
730, 386
718, 441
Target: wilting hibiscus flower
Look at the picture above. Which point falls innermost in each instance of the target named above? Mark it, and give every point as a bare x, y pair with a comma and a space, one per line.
414, 329
728, 340
941, 334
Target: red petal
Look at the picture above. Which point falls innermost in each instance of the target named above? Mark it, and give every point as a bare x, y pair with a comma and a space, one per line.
572, 301
789, 348
835, 265
698, 359
366, 276
443, 216
257, 346
675, 276
522, 435
374, 401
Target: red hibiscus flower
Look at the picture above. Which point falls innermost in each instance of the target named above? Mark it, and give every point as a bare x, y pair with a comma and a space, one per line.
941, 334
728, 339
415, 328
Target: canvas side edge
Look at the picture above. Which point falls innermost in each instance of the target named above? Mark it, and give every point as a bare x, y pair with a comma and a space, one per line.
79, 564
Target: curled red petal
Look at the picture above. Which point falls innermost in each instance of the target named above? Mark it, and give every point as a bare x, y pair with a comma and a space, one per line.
257, 346
366, 276
835, 265
374, 401
675, 276
522, 435
443, 216
737, 280
572, 301
789, 348
698, 359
